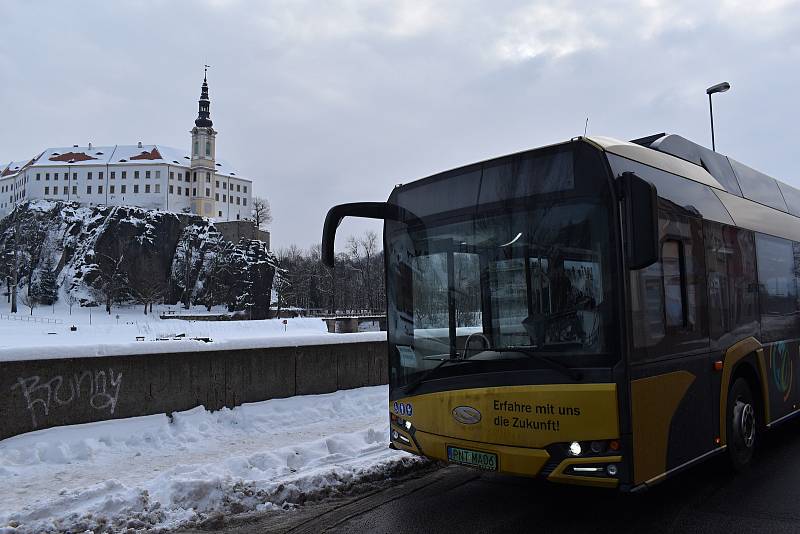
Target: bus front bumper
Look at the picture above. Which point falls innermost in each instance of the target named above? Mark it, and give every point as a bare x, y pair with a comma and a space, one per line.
518, 461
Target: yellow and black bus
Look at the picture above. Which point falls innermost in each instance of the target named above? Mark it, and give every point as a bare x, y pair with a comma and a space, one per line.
596, 312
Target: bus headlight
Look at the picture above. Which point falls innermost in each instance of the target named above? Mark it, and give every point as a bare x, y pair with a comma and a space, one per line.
575, 448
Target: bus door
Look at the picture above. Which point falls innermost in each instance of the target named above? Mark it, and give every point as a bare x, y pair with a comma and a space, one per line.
670, 359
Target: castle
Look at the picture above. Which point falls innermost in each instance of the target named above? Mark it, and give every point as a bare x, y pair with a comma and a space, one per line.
148, 176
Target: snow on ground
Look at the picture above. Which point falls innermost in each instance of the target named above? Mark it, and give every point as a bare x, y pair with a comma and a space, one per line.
100, 334
155, 473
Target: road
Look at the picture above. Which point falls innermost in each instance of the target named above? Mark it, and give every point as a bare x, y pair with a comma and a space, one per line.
705, 499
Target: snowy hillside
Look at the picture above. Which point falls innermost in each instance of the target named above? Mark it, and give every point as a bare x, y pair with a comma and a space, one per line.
106, 255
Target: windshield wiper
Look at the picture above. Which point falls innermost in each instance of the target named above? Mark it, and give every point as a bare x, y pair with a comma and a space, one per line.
416, 383
529, 352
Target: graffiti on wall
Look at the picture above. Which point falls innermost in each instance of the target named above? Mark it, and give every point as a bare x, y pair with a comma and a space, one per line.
97, 389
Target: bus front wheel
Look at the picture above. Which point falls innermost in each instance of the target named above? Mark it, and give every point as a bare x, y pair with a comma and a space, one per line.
741, 425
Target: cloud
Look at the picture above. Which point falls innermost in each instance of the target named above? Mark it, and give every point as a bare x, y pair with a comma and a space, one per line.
336, 101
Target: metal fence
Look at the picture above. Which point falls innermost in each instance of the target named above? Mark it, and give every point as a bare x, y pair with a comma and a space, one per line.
30, 319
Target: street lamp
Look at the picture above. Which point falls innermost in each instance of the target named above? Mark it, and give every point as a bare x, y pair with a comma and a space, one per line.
719, 88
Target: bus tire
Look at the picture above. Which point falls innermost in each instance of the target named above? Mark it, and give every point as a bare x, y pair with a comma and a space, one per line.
741, 425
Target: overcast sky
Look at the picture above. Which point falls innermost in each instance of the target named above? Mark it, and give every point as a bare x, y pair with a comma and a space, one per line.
330, 101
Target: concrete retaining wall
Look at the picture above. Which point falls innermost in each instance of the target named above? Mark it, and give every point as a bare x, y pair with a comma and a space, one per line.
40, 394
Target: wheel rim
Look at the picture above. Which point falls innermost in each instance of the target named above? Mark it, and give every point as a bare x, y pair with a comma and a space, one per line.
746, 423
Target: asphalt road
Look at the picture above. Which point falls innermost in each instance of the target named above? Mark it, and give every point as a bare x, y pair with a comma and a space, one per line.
704, 499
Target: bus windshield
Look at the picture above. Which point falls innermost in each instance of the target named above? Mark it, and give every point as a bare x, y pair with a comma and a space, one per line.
520, 281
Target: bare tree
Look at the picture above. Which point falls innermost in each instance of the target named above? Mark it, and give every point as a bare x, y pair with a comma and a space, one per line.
12, 262
146, 291
71, 300
28, 299
111, 279
186, 255
262, 212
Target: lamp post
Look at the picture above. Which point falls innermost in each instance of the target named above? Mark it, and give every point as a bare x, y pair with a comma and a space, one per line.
719, 88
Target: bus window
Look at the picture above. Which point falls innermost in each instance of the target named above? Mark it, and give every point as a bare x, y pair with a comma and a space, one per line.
667, 299
731, 273
777, 287
467, 288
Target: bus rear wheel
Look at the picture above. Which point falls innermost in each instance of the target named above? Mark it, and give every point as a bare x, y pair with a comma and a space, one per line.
741, 425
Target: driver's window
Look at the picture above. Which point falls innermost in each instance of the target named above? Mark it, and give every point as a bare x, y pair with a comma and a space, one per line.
509, 302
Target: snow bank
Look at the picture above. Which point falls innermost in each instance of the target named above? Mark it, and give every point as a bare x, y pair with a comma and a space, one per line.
109, 336
155, 472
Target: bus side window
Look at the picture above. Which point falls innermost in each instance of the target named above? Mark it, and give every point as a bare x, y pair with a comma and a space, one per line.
674, 283
731, 268
777, 287
668, 298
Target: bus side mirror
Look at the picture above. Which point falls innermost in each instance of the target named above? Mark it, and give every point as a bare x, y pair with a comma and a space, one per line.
640, 201
370, 210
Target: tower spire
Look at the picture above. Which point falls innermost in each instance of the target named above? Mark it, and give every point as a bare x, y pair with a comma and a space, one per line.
204, 113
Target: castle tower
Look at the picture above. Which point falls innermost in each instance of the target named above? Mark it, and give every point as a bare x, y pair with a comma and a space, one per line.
203, 154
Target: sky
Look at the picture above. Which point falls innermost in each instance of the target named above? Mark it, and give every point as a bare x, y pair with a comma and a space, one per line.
330, 101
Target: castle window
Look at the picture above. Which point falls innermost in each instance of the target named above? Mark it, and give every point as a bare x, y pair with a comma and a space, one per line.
147, 188
88, 175
158, 175
245, 189
88, 189
135, 175
66, 190
74, 189
55, 176
194, 176
111, 189
47, 176
238, 188
158, 188
74, 175
38, 177
124, 174
147, 175
238, 201
244, 201
171, 175
46, 190
136, 188
180, 190
216, 197
208, 192
171, 189
220, 214
187, 191
217, 181
208, 148
224, 198
113, 175
194, 191
99, 189
100, 175
123, 188
208, 177
224, 185
196, 149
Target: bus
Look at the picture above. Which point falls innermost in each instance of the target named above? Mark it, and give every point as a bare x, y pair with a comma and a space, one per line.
596, 312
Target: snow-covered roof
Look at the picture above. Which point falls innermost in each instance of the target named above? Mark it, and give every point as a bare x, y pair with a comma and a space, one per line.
12, 168
116, 155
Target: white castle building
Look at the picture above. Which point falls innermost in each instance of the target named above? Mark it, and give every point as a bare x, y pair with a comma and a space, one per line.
149, 176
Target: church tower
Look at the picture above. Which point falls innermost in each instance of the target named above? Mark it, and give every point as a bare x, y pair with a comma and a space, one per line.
203, 154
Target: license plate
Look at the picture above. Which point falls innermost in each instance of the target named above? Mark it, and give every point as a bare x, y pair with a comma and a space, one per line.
481, 460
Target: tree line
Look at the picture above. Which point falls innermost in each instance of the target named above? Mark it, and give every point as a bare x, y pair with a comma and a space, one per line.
354, 286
